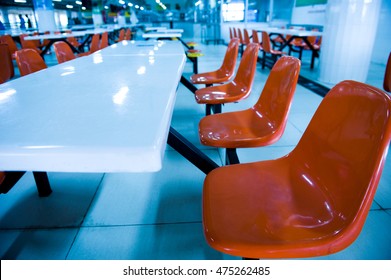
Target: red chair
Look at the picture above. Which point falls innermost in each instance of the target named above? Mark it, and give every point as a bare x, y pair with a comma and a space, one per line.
313, 201
29, 61
256, 39
235, 90
6, 64
121, 35
29, 44
94, 46
7, 39
261, 125
128, 34
226, 70
104, 41
387, 75
268, 50
63, 52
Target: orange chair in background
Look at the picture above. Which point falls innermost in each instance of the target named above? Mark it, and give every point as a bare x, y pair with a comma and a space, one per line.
226, 70
239, 88
29, 44
7, 39
313, 201
63, 52
94, 45
255, 37
387, 75
261, 125
6, 64
128, 34
267, 49
104, 41
29, 61
121, 35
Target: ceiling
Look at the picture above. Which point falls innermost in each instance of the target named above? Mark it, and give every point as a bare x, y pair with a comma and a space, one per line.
62, 5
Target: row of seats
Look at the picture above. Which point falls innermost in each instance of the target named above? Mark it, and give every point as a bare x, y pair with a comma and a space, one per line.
311, 202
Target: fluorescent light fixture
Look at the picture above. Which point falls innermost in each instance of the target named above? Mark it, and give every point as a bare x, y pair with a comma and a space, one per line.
79, 3
69, 6
122, 2
130, 4
20, 1
106, 7
142, 8
83, 8
198, 3
137, 6
56, 0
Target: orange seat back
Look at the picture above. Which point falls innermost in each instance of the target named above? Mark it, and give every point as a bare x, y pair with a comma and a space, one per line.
230, 57
128, 34
343, 150
7, 39
246, 37
6, 65
247, 67
266, 45
94, 46
387, 76
121, 35
63, 52
29, 61
104, 41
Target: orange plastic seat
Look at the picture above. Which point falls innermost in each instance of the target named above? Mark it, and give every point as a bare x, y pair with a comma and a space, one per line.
313, 201
239, 88
387, 75
267, 49
104, 41
63, 52
94, 45
29, 44
261, 125
121, 35
244, 39
255, 37
231, 35
128, 34
7, 39
6, 64
29, 61
226, 70
2, 176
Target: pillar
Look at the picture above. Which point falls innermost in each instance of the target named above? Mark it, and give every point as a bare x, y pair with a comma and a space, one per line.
44, 15
348, 39
97, 12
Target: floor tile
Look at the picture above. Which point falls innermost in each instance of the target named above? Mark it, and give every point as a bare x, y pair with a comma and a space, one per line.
183, 241
72, 195
170, 195
53, 244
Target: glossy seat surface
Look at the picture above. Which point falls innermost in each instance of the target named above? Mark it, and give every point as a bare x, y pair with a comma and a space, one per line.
387, 75
264, 123
6, 65
29, 44
313, 201
121, 35
226, 70
29, 61
104, 41
63, 52
266, 45
128, 34
237, 89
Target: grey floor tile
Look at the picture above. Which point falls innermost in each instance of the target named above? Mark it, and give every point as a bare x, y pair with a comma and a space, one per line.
183, 241
170, 195
72, 194
53, 244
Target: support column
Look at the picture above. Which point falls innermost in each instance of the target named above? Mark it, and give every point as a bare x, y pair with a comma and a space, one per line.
348, 39
44, 15
97, 12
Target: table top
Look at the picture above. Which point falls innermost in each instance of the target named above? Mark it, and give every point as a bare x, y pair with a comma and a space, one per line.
150, 48
156, 35
293, 32
98, 113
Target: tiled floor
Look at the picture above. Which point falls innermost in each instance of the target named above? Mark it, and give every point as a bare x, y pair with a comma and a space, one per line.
158, 215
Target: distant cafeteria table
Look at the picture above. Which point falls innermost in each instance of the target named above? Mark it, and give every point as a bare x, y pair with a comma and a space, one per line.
106, 112
294, 34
